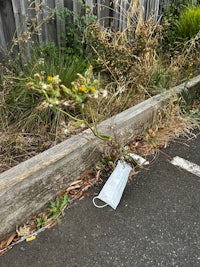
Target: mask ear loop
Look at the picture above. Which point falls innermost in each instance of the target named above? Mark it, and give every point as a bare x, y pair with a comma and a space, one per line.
97, 206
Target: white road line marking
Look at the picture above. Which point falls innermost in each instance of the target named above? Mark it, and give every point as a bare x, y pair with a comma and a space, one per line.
186, 165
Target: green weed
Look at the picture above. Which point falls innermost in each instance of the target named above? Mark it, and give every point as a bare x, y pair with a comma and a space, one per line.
171, 41
188, 24
41, 221
73, 40
56, 208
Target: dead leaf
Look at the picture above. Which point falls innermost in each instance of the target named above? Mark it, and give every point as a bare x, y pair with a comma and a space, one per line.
77, 186
72, 192
151, 133
79, 195
86, 187
10, 239
32, 227
3, 252
52, 224
98, 175
2, 244
75, 182
87, 174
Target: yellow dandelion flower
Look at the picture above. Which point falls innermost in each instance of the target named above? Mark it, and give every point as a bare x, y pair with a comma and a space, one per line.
83, 88
50, 79
92, 89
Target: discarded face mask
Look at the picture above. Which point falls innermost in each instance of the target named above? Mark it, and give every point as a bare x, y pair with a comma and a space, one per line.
113, 189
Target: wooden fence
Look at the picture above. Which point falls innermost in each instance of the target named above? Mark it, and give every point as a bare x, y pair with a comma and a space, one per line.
20, 18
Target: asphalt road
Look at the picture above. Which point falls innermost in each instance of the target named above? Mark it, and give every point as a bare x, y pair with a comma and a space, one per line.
157, 223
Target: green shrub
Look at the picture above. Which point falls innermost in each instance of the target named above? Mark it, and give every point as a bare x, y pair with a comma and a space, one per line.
49, 59
171, 40
188, 24
73, 41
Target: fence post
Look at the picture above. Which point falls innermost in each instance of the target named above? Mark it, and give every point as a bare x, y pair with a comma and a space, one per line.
3, 46
60, 23
20, 11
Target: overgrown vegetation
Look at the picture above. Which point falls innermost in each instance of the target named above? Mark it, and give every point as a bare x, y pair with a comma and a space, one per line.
95, 73
188, 24
31, 99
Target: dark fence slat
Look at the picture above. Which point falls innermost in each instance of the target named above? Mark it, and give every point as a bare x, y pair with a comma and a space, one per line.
104, 12
60, 23
3, 46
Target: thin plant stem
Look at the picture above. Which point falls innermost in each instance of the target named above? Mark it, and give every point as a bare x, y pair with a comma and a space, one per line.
69, 115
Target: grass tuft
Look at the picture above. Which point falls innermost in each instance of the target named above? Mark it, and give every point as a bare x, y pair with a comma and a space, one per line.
188, 24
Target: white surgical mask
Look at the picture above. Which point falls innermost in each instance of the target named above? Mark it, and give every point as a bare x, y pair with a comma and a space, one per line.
113, 189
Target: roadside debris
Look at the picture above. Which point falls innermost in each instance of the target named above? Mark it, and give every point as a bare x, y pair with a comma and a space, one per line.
114, 187
139, 160
139, 148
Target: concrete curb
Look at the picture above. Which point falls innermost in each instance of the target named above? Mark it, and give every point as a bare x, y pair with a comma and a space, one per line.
28, 187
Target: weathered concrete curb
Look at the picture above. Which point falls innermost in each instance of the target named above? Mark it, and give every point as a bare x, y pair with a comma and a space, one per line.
28, 187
